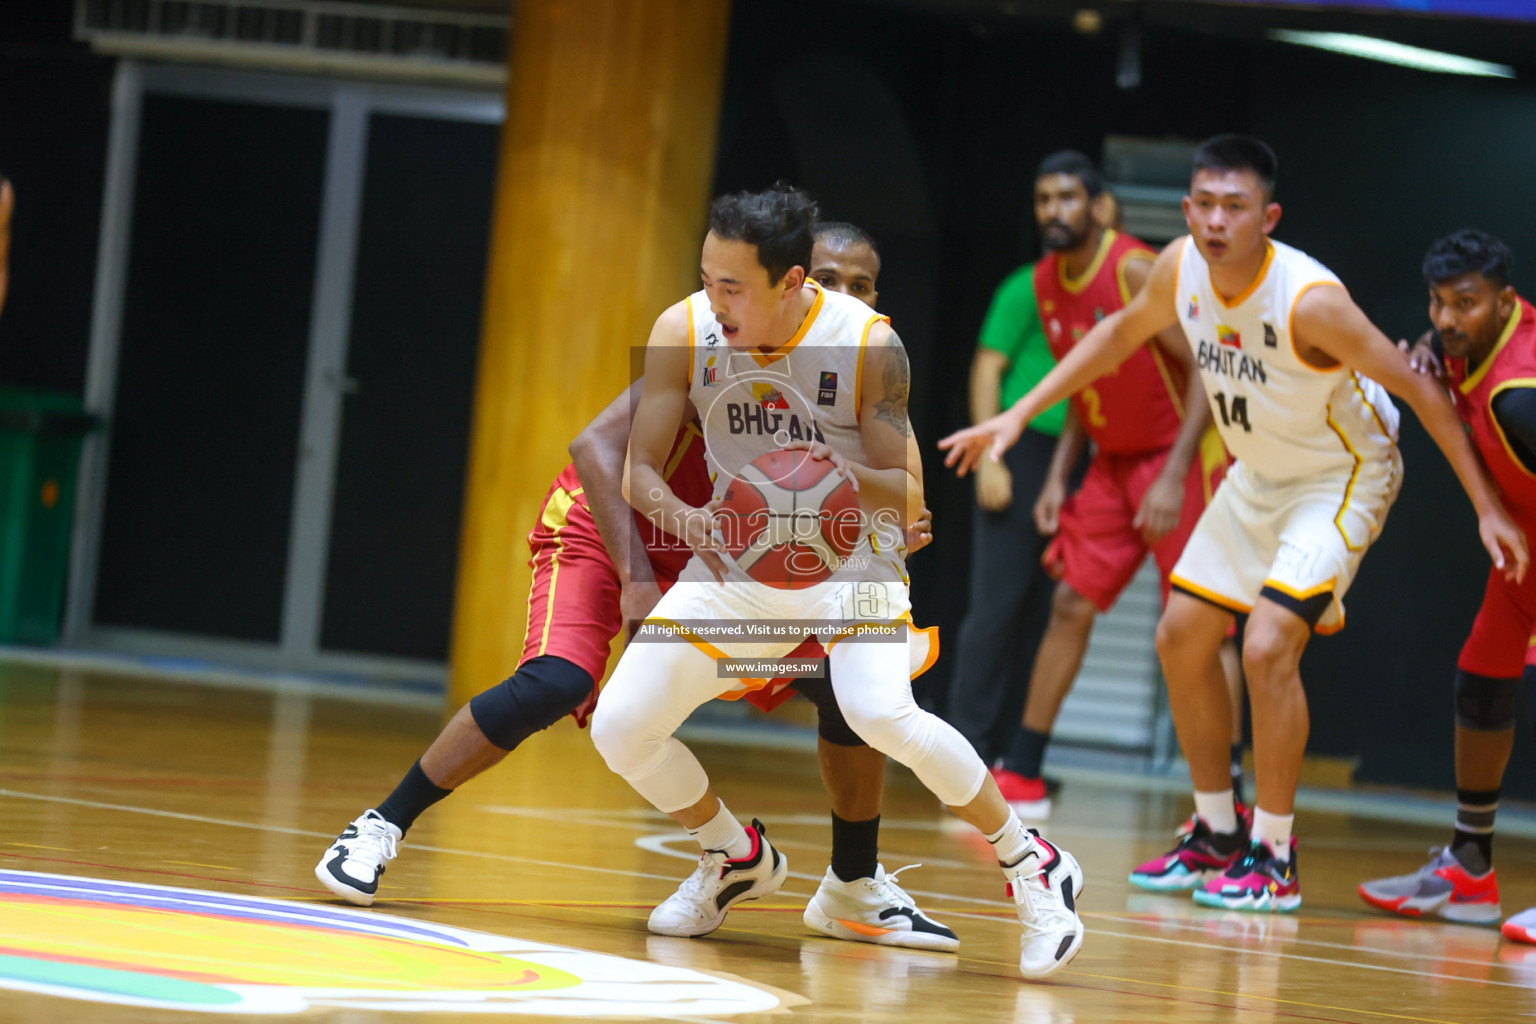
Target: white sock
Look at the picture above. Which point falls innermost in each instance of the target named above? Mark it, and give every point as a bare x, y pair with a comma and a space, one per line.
1274, 831
1216, 810
1011, 841
724, 833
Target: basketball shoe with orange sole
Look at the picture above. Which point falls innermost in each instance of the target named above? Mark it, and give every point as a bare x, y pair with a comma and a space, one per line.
1443, 888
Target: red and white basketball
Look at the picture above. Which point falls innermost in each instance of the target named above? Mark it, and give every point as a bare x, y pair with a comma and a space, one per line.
790, 520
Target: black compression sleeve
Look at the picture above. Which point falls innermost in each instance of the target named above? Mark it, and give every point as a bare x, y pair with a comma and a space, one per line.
1515, 410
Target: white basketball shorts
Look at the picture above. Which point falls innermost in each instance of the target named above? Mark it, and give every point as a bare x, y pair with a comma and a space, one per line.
1298, 542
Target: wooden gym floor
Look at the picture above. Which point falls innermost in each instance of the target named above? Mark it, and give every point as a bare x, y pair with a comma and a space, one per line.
231, 791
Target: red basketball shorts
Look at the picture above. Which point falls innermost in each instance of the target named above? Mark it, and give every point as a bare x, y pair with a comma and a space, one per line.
1500, 644
1097, 550
573, 604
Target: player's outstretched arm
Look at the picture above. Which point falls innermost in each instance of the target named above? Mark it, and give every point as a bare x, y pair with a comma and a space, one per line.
1105, 347
994, 481
1329, 326
598, 453
658, 415
1163, 503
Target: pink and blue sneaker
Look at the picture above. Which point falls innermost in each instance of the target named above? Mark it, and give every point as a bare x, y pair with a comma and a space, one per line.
1258, 881
1201, 855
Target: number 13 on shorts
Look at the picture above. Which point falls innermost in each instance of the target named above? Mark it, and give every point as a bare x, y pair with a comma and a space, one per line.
867, 601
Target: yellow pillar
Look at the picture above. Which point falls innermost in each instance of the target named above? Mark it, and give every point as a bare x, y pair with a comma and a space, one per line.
606, 161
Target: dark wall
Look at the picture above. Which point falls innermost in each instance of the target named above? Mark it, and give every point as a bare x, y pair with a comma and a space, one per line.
925, 129
54, 115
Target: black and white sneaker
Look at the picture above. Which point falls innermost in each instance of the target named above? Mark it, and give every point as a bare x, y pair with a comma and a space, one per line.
717, 884
354, 862
1045, 886
875, 910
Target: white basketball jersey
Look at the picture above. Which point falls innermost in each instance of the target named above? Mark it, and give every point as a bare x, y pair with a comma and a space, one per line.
1281, 417
750, 404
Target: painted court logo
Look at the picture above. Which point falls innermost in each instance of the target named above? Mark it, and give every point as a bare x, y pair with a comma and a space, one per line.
185, 949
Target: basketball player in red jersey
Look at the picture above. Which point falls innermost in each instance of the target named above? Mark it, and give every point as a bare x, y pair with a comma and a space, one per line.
1485, 335
1153, 470
613, 567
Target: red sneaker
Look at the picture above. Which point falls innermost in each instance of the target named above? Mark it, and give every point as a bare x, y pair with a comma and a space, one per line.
1443, 888
1025, 795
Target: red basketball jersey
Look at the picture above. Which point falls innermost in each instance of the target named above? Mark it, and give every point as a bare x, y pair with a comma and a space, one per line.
688, 476
1511, 364
1138, 407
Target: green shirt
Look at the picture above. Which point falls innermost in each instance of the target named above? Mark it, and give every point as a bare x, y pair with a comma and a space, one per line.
1013, 328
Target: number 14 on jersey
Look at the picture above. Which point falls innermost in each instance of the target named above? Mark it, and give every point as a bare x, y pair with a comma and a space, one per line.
1233, 411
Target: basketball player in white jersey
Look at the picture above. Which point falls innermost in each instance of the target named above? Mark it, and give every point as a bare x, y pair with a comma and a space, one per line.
1297, 379
768, 359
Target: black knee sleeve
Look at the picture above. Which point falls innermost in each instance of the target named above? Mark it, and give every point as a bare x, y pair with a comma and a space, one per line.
1485, 704
830, 723
544, 690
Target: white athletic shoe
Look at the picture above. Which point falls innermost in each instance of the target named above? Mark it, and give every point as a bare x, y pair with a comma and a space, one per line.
717, 884
354, 862
1045, 886
875, 910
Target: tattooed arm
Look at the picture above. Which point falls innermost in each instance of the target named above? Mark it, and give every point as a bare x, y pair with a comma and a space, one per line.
890, 480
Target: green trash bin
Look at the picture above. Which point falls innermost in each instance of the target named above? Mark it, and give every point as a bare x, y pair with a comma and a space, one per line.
41, 434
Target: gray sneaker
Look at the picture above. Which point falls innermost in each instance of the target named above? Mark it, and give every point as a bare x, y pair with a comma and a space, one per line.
1442, 887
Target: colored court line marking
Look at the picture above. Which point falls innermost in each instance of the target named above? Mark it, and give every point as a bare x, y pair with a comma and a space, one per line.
35, 846
131, 780
448, 901
309, 833
197, 864
156, 871
1239, 951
